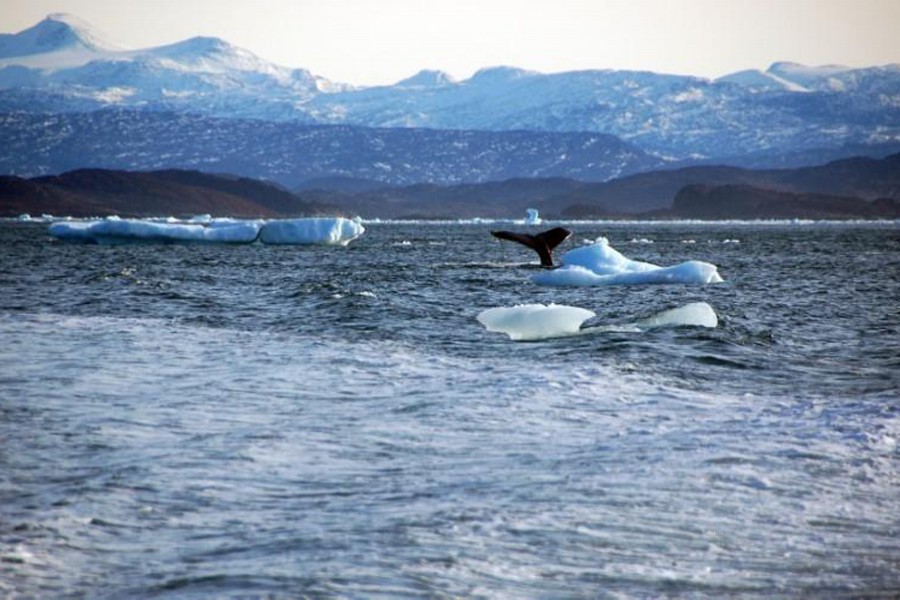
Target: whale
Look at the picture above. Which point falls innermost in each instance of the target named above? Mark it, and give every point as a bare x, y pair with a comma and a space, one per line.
543, 243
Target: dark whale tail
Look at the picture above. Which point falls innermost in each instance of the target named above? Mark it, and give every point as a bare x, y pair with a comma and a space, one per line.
543, 243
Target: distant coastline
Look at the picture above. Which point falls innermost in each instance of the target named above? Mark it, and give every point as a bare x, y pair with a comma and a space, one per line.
860, 188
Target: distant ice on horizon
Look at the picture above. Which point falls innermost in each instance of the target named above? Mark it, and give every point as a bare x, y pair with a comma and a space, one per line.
203, 229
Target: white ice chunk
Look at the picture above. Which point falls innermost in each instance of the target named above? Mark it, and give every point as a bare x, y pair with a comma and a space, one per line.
115, 230
601, 264
696, 314
324, 230
530, 322
532, 217
72, 231
535, 321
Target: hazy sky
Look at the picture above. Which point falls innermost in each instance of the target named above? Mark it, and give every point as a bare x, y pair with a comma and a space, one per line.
369, 42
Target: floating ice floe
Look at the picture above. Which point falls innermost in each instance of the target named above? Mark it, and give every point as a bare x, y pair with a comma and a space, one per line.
27, 218
600, 264
114, 230
531, 322
535, 321
695, 314
322, 230
120, 231
532, 217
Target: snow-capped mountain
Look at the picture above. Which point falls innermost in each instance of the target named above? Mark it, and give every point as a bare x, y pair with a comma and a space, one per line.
784, 108
57, 34
62, 66
67, 63
427, 78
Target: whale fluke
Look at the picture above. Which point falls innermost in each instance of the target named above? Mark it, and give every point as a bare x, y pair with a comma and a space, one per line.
543, 243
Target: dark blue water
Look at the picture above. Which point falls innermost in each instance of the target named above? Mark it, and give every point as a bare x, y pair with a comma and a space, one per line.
259, 421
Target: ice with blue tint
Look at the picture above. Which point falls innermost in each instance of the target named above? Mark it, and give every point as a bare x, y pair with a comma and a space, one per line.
119, 231
323, 230
532, 217
599, 263
534, 321
204, 229
531, 322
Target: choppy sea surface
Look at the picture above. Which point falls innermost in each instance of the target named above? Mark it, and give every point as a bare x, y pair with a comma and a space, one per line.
261, 421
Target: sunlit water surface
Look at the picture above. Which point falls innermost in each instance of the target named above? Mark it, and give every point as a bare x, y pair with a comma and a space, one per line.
242, 421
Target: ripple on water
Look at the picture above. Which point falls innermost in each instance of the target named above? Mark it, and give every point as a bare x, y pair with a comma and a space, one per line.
253, 421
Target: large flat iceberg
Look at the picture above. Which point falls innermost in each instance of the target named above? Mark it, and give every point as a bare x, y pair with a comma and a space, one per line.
601, 264
324, 230
122, 231
531, 322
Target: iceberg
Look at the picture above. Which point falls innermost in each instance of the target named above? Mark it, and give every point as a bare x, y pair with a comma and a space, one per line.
122, 231
72, 231
695, 314
532, 322
323, 230
532, 217
204, 229
599, 263
535, 321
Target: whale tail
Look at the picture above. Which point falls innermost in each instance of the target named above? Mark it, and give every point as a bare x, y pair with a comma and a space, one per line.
543, 243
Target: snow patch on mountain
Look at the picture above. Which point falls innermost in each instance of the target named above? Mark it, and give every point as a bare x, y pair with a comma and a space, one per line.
809, 77
762, 81
427, 78
498, 75
213, 55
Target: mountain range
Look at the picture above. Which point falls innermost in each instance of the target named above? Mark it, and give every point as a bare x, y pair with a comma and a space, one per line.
860, 181
585, 143
291, 153
61, 65
853, 188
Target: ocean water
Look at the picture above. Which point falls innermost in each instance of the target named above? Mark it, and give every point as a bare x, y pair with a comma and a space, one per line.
256, 421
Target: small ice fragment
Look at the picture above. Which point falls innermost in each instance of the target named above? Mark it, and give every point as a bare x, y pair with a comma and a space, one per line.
696, 314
